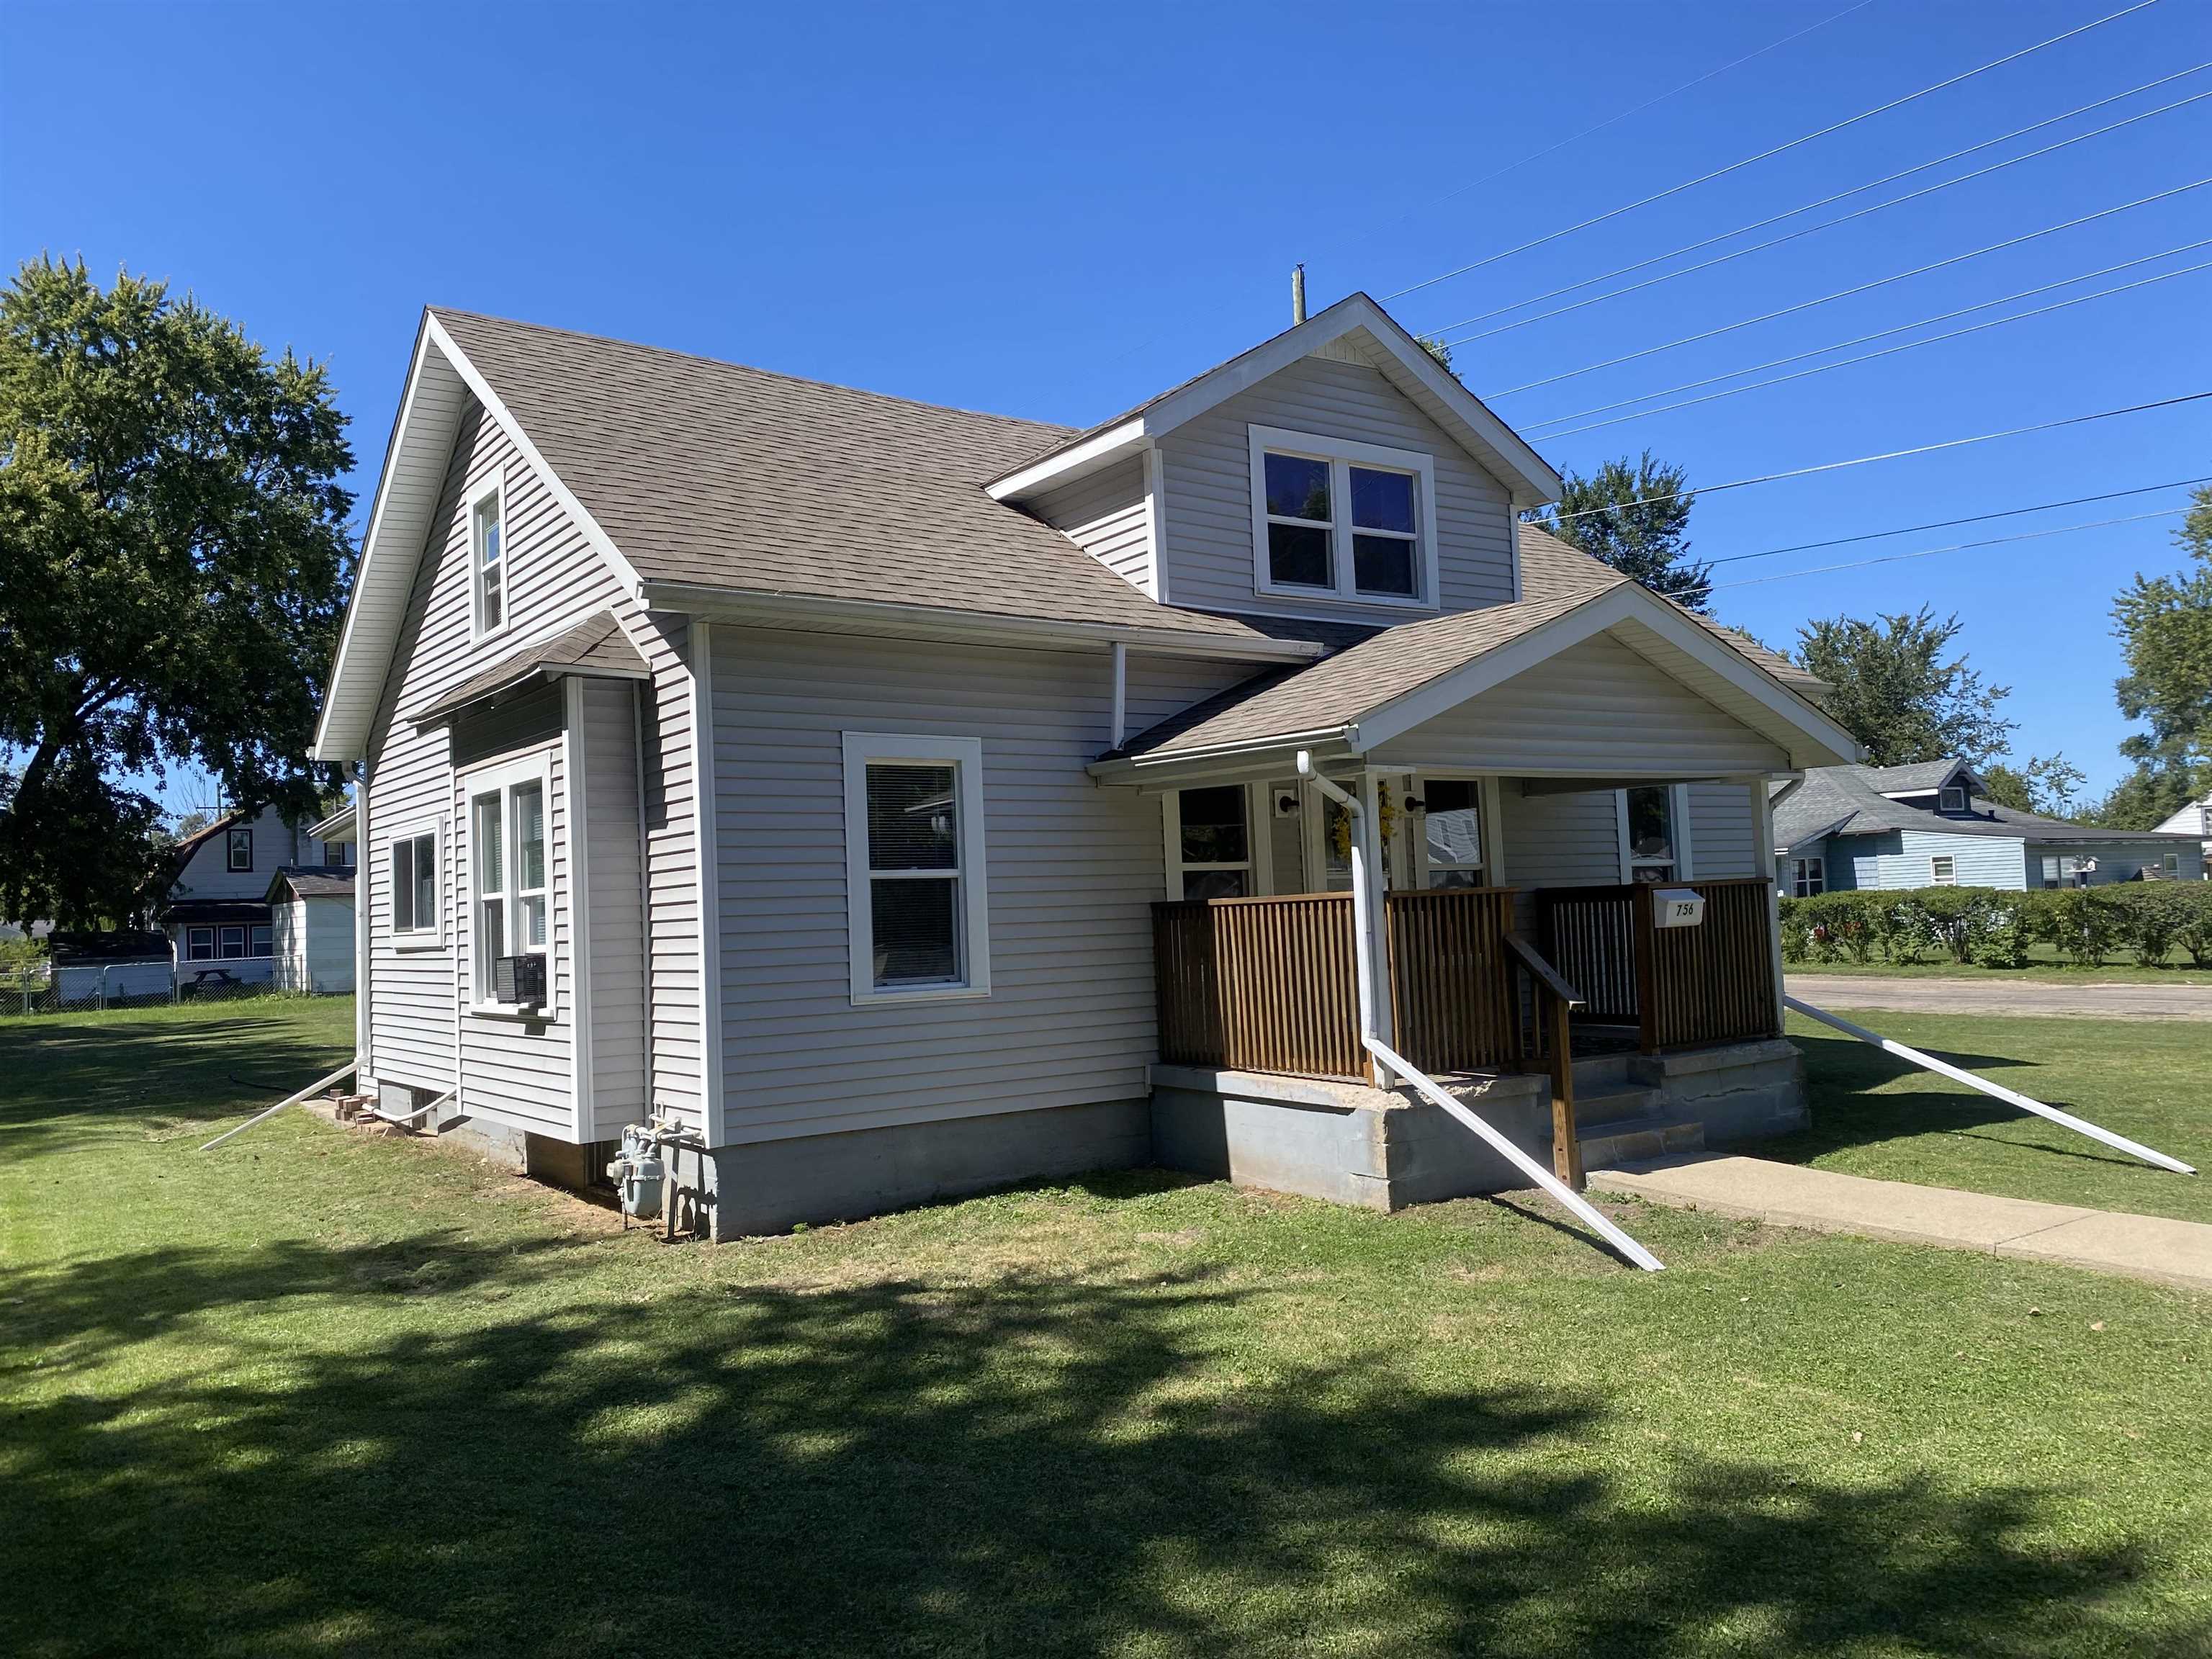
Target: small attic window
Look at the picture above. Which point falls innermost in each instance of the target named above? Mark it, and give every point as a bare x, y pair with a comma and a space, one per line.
1339, 520
488, 559
1952, 798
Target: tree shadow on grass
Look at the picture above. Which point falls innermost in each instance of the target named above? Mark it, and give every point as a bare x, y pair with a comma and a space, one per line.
66, 1085
1028, 1465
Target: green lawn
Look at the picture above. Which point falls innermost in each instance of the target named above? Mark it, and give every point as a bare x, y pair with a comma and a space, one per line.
319, 1393
2044, 963
2150, 1080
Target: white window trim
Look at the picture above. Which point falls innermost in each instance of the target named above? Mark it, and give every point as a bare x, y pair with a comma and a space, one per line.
1943, 797
501, 778
1485, 826
1342, 453
965, 757
1938, 875
230, 868
494, 491
214, 944
418, 938
1256, 831
2171, 863
1678, 832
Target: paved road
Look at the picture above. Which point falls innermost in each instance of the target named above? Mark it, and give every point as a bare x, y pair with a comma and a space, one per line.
2098, 999
2140, 1246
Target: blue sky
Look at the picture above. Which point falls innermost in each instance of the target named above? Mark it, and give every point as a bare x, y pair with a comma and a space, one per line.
1055, 212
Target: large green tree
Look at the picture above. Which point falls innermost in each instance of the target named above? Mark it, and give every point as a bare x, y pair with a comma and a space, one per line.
2165, 626
2050, 785
172, 557
1901, 690
1635, 516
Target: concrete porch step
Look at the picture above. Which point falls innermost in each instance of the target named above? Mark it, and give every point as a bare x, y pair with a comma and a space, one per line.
1618, 1102
1597, 1073
1638, 1140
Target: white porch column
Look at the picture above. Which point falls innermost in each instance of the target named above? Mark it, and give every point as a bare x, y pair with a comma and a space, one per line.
1371, 873
1762, 844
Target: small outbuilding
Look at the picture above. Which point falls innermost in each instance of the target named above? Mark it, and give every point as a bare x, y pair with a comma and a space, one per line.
311, 929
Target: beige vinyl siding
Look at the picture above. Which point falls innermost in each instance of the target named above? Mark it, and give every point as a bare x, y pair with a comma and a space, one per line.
1073, 871
1107, 515
615, 893
1205, 470
556, 579
1596, 707
1723, 841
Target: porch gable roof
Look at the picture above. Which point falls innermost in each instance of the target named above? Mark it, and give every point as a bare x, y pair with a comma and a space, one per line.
1393, 681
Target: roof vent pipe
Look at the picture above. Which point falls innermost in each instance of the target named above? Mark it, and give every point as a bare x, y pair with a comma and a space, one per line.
1298, 293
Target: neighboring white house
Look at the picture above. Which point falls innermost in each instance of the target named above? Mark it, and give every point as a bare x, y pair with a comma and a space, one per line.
2194, 819
843, 777
1933, 825
221, 928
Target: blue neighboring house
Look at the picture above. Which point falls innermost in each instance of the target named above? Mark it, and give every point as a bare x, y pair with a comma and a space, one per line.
1931, 825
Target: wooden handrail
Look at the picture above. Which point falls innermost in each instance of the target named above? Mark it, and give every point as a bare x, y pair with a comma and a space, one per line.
1546, 976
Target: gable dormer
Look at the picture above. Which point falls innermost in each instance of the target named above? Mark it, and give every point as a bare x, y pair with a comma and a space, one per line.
1336, 472
1945, 788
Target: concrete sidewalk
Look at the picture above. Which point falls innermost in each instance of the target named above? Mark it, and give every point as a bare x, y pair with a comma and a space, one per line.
2140, 1246
1936, 994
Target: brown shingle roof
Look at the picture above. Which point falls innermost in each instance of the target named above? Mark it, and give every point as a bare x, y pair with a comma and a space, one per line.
1555, 578
707, 473
595, 645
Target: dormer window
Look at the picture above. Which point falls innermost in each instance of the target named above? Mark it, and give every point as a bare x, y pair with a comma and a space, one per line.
1952, 798
1335, 520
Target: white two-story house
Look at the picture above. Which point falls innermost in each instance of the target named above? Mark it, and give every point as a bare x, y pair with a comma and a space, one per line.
221, 925
904, 800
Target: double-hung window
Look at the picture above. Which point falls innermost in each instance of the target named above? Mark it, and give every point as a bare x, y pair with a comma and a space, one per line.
488, 559
233, 943
415, 886
1210, 842
238, 849
917, 903
1943, 871
1648, 834
260, 943
199, 943
1335, 520
507, 833
1451, 831
1807, 876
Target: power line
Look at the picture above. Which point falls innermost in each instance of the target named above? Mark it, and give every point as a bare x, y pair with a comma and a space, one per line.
1847, 293
1764, 154
1956, 547
1615, 120
1948, 524
1825, 224
1910, 345
1872, 184
1893, 454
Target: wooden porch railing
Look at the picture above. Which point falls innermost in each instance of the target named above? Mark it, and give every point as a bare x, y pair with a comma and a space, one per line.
1680, 987
1260, 985
1454, 1005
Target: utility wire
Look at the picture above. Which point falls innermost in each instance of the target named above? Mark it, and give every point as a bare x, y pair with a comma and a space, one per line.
1887, 352
1825, 224
1956, 547
1948, 524
1889, 455
1883, 333
1856, 190
1846, 293
1613, 120
1764, 154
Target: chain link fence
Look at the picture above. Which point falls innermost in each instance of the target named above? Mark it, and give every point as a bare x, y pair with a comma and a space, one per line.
99, 987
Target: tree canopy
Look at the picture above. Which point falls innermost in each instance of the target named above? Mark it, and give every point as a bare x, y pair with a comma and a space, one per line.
1901, 691
174, 552
2049, 785
2164, 627
1635, 516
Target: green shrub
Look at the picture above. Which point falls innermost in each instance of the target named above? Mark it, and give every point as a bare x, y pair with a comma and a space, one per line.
1995, 928
2085, 923
2161, 914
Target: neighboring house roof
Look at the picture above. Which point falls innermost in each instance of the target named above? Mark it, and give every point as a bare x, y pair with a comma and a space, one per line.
181, 854
339, 826
1330, 697
201, 912
1921, 778
66, 946
596, 648
1845, 801
2194, 819
1528, 477
311, 881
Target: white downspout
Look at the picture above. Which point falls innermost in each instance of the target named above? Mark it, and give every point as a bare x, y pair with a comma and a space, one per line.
1120, 693
1366, 943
